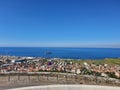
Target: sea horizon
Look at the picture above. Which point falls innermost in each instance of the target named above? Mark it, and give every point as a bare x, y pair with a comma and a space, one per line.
62, 52
53, 47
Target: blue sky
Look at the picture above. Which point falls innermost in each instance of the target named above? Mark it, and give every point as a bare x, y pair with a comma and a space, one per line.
60, 23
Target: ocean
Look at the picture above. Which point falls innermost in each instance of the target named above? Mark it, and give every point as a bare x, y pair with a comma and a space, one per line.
62, 52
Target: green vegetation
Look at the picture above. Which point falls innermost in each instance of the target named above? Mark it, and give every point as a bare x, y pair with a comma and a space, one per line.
112, 75
109, 61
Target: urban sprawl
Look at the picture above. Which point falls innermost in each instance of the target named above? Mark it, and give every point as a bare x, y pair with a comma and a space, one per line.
16, 64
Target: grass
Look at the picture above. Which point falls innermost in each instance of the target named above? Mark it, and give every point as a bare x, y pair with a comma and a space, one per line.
109, 61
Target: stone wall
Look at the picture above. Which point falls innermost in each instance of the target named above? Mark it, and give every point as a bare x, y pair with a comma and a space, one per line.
21, 80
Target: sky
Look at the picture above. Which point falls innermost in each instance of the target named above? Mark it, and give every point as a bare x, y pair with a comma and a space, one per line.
60, 23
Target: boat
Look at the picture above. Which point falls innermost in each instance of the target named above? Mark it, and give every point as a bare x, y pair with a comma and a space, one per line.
48, 52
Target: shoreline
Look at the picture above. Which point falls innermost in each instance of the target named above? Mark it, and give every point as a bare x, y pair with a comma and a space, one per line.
58, 57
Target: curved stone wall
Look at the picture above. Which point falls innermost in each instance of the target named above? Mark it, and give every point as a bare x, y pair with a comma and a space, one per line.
68, 87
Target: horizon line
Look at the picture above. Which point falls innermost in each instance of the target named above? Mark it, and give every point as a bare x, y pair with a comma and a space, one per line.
57, 47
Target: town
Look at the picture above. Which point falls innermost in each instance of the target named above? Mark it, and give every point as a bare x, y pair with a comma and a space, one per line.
18, 64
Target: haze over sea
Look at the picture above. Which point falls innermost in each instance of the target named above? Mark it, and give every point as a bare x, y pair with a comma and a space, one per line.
62, 52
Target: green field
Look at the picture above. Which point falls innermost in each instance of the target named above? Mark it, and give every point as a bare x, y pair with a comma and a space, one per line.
109, 61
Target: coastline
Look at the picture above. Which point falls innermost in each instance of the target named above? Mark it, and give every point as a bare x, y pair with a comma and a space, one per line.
27, 71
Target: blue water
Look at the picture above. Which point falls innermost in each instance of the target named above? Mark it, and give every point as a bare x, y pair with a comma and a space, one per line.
74, 53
